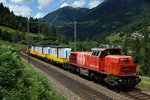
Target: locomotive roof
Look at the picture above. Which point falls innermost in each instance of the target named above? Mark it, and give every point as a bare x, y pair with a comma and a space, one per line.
48, 46
102, 49
98, 49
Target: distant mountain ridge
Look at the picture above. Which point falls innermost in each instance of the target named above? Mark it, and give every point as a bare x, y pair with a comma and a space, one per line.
64, 15
109, 16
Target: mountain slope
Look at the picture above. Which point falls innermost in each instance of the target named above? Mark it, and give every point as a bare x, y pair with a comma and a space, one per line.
109, 16
63, 15
112, 15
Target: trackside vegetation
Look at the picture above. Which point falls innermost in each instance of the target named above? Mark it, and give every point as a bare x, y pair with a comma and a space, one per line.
18, 81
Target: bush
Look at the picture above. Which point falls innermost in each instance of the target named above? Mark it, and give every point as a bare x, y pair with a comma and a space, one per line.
20, 82
0, 33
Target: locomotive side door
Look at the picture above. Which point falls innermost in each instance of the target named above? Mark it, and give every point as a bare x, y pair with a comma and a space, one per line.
102, 61
94, 62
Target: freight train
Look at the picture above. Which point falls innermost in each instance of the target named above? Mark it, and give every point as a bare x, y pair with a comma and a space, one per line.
101, 64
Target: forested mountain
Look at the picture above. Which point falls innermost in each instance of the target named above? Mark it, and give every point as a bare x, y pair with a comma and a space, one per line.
112, 15
109, 16
8, 19
64, 15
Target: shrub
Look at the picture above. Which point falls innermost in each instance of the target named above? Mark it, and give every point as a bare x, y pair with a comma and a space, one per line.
18, 81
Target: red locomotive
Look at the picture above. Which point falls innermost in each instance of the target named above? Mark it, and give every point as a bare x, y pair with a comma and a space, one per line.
106, 65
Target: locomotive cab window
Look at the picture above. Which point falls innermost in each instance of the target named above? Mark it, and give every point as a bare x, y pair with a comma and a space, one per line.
95, 53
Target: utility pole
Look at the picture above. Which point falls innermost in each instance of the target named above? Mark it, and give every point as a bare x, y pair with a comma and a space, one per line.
28, 40
75, 36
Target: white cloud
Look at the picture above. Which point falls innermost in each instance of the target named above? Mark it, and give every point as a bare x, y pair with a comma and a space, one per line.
64, 5
40, 15
22, 10
78, 3
94, 3
21, 1
3, 1
43, 4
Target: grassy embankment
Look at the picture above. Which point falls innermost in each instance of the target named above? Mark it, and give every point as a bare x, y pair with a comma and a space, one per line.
145, 83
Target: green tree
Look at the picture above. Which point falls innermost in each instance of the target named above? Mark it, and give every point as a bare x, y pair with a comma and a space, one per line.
136, 50
45, 30
52, 32
145, 64
125, 47
5, 35
20, 26
0, 33
23, 35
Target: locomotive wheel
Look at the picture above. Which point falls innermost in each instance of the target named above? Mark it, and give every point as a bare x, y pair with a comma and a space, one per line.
80, 74
95, 78
91, 76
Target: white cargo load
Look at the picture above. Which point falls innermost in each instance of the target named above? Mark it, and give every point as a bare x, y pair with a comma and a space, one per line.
46, 50
64, 52
32, 48
40, 49
36, 48
53, 51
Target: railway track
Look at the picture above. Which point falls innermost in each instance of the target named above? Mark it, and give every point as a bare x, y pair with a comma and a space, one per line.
78, 88
136, 95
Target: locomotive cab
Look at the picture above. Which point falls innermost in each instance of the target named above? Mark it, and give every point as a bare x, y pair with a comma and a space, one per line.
101, 53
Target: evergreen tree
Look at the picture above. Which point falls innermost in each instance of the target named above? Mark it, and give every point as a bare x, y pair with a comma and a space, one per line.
5, 35
145, 64
125, 47
0, 33
45, 30
20, 27
136, 50
52, 32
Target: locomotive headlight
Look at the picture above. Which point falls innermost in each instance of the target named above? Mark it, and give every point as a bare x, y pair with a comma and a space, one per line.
120, 80
121, 59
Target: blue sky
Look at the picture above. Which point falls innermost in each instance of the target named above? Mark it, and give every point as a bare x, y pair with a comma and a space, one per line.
39, 8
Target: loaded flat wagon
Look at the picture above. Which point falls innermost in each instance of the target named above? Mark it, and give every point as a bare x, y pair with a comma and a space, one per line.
52, 54
60, 54
63, 54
